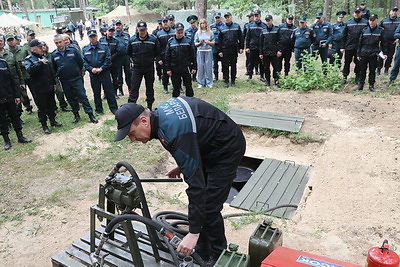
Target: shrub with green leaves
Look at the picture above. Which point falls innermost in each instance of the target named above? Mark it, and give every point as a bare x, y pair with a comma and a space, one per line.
315, 76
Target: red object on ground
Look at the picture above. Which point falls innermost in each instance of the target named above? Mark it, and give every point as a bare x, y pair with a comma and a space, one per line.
286, 257
382, 257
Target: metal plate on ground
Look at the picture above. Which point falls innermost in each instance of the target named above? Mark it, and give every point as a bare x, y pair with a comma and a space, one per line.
274, 183
269, 120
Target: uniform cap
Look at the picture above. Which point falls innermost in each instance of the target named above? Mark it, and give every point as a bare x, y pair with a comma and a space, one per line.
250, 15
227, 14
319, 14
91, 32
17, 37
141, 25
395, 8
9, 36
171, 16
118, 21
290, 16
30, 32
341, 14
362, 4
159, 21
257, 12
192, 18
302, 19
165, 18
357, 9
373, 17
124, 116
217, 15
268, 17
179, 26
111, 28
35, 42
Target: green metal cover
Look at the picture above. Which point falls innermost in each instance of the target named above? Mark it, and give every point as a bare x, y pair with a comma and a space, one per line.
269, 120
274, 183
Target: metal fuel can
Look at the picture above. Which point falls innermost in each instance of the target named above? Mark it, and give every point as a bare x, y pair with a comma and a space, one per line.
382, 257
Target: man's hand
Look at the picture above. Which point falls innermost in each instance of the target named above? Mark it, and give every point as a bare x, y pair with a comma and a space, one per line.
17, 101
174, 173
188, 243
160, 62
323, 45
261, 56
279, 54
330, 45
193, 71
359, 58
221, 54
341, 50
247, 50
169, 73
44, 61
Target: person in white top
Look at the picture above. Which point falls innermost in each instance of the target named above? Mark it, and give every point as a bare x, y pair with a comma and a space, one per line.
204, 41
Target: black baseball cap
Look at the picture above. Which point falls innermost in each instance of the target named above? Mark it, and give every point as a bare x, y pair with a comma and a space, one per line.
395, 8
257, 12
124, 116
250, 15
319, 14
217, 15
357, 9
171, 16
290, 16
179, 26
227, 14
373, 17
91, 32
111, 28
118, 21
141, 25
35, 42
165, 18
268, 17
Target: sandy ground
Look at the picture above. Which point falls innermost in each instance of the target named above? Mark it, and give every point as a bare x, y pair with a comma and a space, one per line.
352, 199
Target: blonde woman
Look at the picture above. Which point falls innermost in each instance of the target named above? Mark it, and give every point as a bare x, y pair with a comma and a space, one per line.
204, 41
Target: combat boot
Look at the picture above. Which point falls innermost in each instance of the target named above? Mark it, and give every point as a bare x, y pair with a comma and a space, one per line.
360, 86
54, 123
267, 83
21, 138
45, 128
226, 84
277, 84
372, 87
233, 83
7, 142
77, 117
165, 91
29, 110
92, 118
250, 77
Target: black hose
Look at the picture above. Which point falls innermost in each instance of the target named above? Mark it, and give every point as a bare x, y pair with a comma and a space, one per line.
162, 218
130, 217
260, 212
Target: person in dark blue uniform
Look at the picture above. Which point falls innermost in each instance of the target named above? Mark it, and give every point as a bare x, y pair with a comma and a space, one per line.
396, 65
9, 100
97, 61
43, 85
207, 147
68, 63
103, 28
163, 37
230, 43
171, 20
365, 11
216, 29
158, 66
302, 37
250, 18
143, 49
190, 32
72, 28
180, 61
337, 35
253, 42
286, 45
124, 60
323, 36
270, 50
113, 45
389, 25
351, 36
370, 45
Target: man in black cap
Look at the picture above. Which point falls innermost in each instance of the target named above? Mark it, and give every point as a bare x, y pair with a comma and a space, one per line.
370, 45
337, 35
253, 44
155, 32
190, 32
180, 61
389, 25
103, 28
113, 45
216, 29
351, 36
286, 45
43, 85
143, 48
323, 36
250, 18
207, 147
366, 12
124, 61
230, 43
171, 20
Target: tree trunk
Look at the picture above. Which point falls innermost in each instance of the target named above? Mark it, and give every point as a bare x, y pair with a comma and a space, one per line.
82, 5
328, 10
347, 7
23, 7
34, 11
1, 5
128, 12
301, 8
74, 3
10, 6
50, 4
200, 6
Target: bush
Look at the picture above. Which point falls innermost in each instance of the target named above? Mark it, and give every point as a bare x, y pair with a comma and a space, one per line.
313, 77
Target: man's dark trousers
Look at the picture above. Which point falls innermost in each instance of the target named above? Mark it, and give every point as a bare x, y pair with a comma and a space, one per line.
137, 75
74, 92
124, 66
349, 56
96, 80
179, 76
229, 60
372, 62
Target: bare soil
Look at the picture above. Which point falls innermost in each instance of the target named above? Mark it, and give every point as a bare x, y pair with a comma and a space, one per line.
350, 205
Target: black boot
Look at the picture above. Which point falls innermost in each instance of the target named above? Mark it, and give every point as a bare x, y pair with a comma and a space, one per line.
29, 110
372, 87
360, 86
250, 77
267, 83
77, 117
92, 118
165, 91
378, 72
226, 84
45, 128
7, 142
54, 123
277, 84
233, 83
22, 138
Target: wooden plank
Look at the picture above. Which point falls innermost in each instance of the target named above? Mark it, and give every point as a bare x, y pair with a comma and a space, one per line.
80, 255
251, 183
287, 198
63, 259
278, 121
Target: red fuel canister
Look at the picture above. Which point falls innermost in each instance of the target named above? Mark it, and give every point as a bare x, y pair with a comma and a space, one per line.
382, 257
